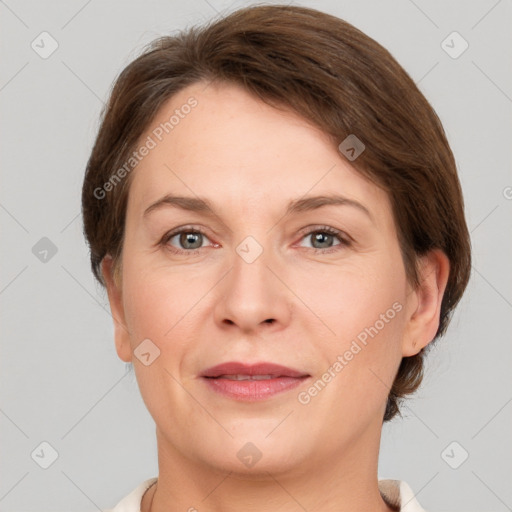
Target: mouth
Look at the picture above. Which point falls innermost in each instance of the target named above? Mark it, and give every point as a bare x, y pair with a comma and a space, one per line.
252, 382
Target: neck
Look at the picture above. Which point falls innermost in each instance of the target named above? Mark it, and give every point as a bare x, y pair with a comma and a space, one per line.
344, 483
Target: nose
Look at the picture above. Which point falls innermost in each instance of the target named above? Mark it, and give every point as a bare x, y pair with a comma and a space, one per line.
252, 297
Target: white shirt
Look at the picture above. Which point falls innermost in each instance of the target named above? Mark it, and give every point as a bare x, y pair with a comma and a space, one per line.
395, 492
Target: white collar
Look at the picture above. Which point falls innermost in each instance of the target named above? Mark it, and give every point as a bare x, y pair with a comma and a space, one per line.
395, 492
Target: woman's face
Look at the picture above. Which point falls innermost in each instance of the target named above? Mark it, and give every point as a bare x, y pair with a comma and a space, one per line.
265, 275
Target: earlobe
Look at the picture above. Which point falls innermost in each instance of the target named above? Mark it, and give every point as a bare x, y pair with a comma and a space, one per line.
424, 320
121, 334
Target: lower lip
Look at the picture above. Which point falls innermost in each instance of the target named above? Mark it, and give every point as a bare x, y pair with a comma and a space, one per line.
253, 390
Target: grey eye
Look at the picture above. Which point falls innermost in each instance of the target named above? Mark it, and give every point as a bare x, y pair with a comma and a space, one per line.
188, 239
321, 239
324, 240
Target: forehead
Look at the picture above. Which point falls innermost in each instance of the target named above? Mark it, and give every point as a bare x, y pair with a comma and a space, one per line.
220, 142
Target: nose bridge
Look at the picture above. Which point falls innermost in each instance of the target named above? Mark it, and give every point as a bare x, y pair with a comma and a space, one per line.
250, 267
251, 293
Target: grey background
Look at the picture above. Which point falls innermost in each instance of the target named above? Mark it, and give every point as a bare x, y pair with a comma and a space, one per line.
61, 380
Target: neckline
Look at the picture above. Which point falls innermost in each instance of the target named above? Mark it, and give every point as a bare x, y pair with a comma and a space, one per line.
393, 492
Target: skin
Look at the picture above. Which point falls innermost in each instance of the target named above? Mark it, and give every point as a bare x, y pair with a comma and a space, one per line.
208, 306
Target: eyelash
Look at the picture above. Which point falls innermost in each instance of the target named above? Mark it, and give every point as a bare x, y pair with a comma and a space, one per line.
344, 240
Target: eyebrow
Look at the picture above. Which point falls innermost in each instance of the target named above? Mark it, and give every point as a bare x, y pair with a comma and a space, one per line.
202, 205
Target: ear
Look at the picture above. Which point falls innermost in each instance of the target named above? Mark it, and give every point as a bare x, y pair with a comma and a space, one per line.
121, 334
425, 302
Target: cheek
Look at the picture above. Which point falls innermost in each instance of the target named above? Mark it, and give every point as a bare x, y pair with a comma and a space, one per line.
159, 307
165, 305
352, 297
360, 366
154, 306
364, 305
144, 304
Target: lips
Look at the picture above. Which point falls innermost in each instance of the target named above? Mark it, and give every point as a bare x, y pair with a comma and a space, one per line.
252, 382
259, 369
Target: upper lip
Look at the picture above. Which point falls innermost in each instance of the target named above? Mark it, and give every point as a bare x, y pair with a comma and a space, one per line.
237, 368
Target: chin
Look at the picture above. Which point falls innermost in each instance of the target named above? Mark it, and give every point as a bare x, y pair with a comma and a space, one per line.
254, 456
271, 462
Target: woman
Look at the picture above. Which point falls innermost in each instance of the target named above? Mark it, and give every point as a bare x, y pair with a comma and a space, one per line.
274, 210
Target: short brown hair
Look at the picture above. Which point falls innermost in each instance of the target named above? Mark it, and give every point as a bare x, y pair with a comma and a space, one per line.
336, 77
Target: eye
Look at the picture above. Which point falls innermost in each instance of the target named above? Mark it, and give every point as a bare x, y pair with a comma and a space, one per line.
323, 238
184, 240
190, 240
